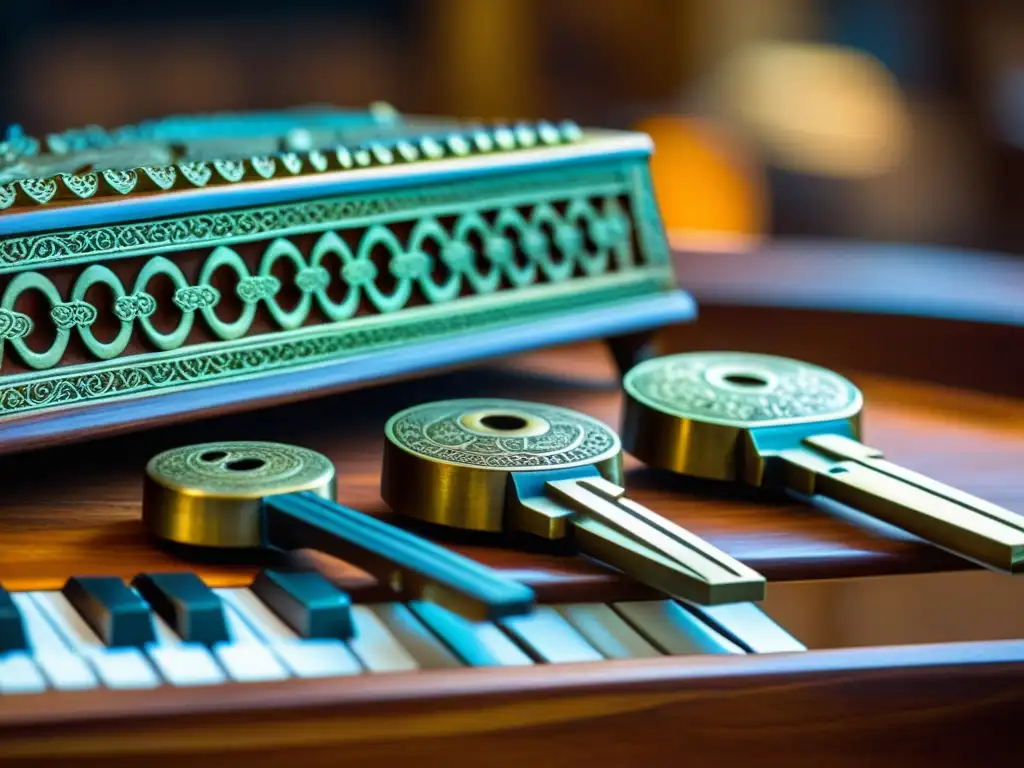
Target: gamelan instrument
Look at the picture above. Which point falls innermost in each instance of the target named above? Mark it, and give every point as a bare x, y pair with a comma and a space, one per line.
516, 467
778, 423
472, 566
167, 269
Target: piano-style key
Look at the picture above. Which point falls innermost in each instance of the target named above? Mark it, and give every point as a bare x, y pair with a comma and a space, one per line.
318, 657
548, 638
19, 674
674, 630
307, 602
244, 655
64, 669
62, 649
420, 642
12, 633
748, 626
122, 667
377, 648
608, 632
186, 604
113, 611
477, 643
180, 662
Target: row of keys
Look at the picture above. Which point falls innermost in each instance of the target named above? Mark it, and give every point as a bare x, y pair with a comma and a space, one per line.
91, 634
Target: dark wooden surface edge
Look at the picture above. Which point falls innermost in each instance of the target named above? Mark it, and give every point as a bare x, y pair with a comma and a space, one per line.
825, 706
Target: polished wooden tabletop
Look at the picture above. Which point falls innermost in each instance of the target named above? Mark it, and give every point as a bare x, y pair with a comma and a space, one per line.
75, 509
945, 396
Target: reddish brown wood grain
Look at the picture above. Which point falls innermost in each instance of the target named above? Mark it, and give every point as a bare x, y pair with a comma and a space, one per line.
943, 398
824, 708
75, 509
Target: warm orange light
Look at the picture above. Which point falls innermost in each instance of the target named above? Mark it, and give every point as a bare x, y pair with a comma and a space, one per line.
820, 110
704, 181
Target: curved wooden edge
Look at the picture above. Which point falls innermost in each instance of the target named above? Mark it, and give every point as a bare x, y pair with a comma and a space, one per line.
811, 701
871, 278
949, 317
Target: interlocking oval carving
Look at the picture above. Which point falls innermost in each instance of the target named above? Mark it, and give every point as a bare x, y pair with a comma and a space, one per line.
589, 237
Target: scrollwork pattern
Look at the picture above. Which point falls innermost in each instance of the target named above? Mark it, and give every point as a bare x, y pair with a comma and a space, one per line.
141, 304
224, 227
14, 325
196, 297
73, 314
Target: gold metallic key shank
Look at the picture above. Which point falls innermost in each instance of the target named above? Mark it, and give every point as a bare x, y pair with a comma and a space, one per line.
506, 465
778, 423
246, 495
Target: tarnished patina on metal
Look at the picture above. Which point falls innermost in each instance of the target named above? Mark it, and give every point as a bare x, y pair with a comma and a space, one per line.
234, 495
309, 238
519, 467
784, 424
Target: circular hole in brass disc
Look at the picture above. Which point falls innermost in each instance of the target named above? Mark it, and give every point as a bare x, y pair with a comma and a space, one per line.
504, 423
244, 465
741, 378
744, 380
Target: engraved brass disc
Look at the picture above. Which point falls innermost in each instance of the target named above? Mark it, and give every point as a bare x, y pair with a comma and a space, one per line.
688, 412
212, 494
449, 462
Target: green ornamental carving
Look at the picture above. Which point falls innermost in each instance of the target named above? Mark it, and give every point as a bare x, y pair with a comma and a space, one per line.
40, 191
269, 353
548, 259
225, 227
14, 325
551, 221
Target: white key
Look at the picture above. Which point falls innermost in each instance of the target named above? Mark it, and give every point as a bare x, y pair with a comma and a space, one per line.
65, 670
244, 655
549, 638
673, 629
116, 667
319, 657
182, 663
749, 626
429, 652
376, 647
248, 663
607, 631
477, 643
19, 675
240, 632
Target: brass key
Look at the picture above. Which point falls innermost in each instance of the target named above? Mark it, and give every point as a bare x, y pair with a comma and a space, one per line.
246, 495
507, 465
778, 423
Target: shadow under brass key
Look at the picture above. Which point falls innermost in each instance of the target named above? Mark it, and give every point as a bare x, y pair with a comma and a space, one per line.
512, 466
245, 495
779, 423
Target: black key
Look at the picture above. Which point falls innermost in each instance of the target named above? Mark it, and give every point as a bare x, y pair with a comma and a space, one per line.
12, 633
190, 607
118, 615
306, 602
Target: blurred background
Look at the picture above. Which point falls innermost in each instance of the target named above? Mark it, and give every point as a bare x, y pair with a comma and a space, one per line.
877, 120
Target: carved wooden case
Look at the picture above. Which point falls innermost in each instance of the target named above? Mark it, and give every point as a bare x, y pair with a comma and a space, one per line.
349, 238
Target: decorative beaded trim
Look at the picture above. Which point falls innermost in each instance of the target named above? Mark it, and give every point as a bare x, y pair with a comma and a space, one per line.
458, 143
225, 227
